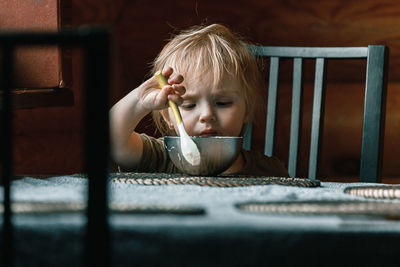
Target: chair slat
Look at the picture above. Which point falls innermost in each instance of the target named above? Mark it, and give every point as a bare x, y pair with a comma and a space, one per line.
247, 135
97, 69
369, 169
317, 117
6, 143
295, 116
374, 105
271, 111
310, 52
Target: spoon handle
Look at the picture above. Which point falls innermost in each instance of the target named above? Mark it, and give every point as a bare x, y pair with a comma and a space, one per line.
163, 81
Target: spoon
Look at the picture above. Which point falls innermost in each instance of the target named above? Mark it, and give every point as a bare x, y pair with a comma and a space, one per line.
188, 147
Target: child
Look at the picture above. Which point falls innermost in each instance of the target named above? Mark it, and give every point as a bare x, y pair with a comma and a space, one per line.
217, 84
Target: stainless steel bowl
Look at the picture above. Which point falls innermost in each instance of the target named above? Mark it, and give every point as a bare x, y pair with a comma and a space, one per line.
217, 154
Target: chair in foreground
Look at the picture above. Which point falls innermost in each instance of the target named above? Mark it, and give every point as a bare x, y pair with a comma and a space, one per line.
95, 43
374, 108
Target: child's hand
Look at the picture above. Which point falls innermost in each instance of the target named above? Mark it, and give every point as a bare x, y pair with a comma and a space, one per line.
152, 97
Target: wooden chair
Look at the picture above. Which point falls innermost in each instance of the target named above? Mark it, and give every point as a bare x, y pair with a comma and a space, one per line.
375, 91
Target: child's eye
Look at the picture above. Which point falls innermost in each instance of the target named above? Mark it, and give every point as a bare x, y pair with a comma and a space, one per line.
188, 106
224, 103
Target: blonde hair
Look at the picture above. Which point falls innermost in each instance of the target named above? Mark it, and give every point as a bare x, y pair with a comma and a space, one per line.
217, 49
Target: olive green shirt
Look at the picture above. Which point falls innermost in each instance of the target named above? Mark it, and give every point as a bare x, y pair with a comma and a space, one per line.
155, 159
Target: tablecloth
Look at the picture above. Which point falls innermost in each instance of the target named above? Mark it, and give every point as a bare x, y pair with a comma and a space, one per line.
217, 233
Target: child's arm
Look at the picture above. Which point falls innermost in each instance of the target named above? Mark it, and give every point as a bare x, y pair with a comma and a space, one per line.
125, 115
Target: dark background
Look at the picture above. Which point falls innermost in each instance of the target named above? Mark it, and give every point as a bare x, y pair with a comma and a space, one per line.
49, 140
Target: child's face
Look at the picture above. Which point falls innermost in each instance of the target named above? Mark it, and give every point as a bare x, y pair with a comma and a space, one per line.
211, 111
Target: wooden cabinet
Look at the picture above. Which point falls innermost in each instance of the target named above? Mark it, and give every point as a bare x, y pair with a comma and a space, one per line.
42, 75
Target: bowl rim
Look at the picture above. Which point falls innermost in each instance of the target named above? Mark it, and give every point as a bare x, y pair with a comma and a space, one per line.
206, 137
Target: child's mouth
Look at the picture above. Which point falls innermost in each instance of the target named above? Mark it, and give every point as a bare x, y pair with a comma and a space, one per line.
208, 133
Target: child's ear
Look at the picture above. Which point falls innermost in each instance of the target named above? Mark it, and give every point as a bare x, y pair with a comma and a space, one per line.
246, 118
244, 126
165, 114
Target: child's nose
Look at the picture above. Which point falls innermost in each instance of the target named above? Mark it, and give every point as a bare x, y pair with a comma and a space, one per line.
207, 114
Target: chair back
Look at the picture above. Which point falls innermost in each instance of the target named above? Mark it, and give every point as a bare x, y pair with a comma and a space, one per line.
375, 91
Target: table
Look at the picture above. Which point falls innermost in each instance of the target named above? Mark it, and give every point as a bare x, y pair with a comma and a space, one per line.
198, 225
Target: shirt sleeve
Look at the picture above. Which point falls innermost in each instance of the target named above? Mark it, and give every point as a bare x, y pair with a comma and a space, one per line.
155, 157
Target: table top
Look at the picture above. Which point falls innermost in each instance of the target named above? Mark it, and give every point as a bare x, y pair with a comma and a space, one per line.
199, 217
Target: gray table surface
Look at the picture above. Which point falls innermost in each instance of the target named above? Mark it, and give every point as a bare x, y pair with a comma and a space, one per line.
228, 236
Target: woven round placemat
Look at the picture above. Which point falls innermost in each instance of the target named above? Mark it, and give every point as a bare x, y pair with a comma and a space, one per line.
387, 209
378, 191
71, 207
217, 181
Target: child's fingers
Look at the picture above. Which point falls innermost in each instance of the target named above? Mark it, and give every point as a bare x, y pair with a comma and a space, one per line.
174, 93
165, 91
151, 83
171, 92
176, 99
178, 89
167, 71
173, 78
160, 99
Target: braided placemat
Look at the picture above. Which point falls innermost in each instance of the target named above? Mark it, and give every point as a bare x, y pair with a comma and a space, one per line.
387, 209
375, 191
217, 181
74, 207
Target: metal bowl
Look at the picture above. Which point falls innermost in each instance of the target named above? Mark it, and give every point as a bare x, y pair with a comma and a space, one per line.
217, 153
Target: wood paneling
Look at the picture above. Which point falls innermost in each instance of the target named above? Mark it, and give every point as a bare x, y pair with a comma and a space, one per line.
38, 67
42, 74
